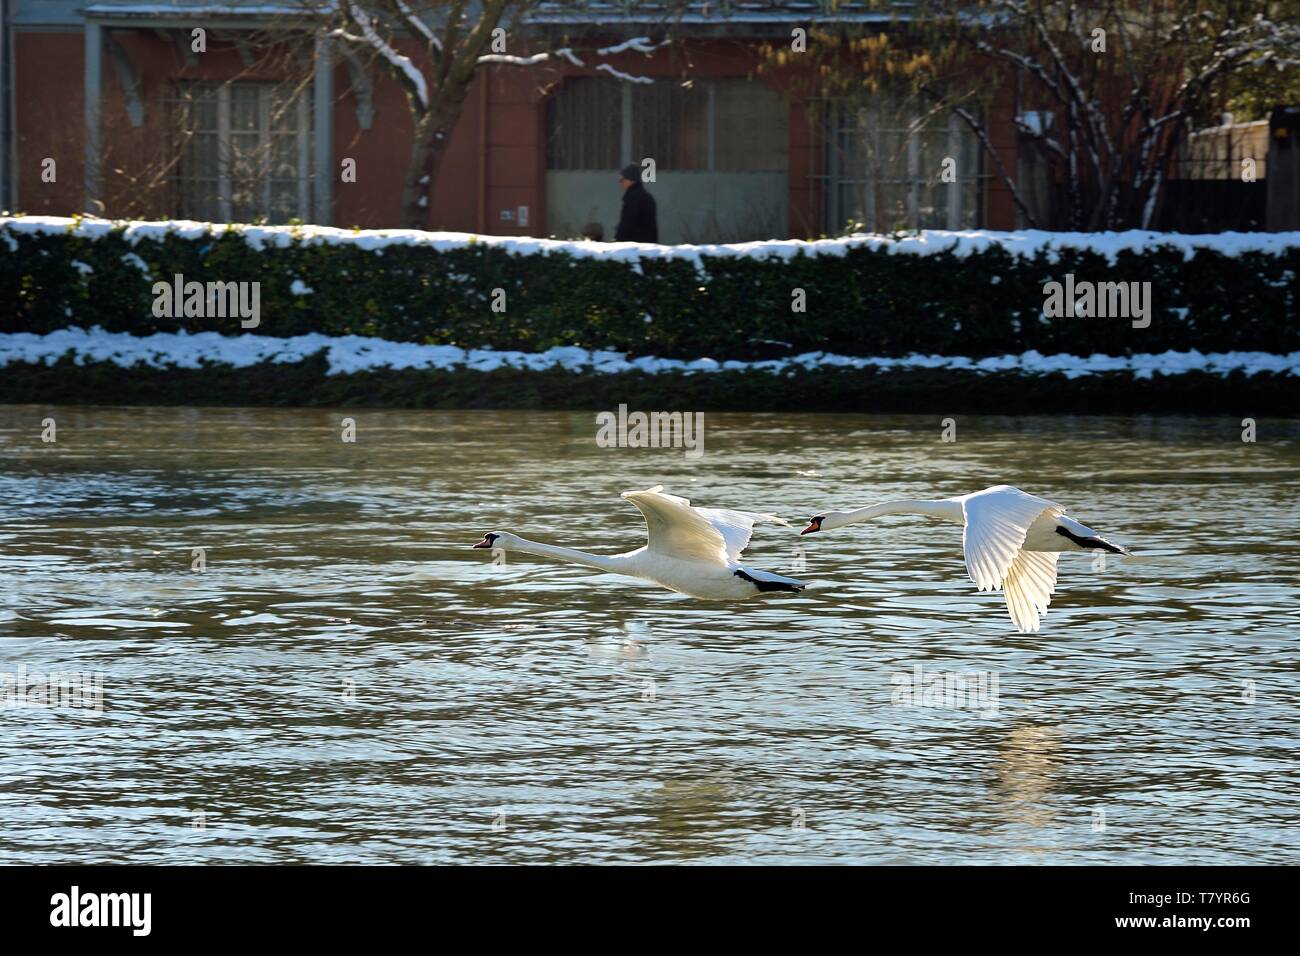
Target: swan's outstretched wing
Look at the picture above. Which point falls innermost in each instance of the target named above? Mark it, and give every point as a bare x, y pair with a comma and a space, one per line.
1029, 586
677, 529
997, 521
737, 527
705, 534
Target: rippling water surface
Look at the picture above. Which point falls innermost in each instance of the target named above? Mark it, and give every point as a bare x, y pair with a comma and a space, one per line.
348, 682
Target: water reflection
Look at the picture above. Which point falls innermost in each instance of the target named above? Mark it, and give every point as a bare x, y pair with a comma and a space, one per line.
346, 681
1028, 761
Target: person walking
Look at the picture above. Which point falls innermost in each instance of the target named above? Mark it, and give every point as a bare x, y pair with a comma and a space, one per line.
639, 220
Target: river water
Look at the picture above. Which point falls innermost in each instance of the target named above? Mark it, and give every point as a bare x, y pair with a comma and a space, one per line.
336, 676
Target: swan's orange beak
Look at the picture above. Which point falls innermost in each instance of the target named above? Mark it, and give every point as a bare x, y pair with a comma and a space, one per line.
485, 543
813, 525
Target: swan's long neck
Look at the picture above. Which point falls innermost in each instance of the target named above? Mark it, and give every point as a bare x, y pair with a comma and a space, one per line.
945, 509
602, 562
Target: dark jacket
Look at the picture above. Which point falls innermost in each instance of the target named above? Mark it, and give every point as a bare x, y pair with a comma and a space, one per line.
639, 222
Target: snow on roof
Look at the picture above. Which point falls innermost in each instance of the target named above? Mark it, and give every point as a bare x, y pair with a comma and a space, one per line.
180, 8
575, 11
713, 11
1025, 243
761, 14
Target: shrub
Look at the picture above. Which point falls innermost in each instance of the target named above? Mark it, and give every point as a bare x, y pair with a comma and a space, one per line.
865, 295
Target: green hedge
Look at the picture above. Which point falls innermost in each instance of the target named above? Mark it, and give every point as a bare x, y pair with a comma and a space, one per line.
868, 301
939, 391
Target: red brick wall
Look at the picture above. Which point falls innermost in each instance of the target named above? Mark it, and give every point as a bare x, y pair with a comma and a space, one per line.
495, 160
48, 121
999, 207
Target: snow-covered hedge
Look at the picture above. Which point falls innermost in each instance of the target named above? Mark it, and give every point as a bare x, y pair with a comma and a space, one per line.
946, 293
348, 354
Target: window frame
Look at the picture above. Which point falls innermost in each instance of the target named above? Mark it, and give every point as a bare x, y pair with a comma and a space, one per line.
865, 122
627, 129
226, 177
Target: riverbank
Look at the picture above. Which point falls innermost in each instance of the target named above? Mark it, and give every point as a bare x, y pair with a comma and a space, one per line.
308, 382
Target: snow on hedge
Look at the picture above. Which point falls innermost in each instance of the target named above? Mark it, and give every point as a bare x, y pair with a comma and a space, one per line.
353, 353
1026, 243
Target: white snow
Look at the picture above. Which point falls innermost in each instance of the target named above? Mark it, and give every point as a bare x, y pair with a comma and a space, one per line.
370, 37
731, 14
508, 60
192, 9
637, 44
354, 353
625, 77
961, 243
418, 24
1036, 121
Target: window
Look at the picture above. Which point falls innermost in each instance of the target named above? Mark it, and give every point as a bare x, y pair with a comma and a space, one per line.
586, 125
751, 128
726, 125
670, 124
721, 151
886, 164
245, 152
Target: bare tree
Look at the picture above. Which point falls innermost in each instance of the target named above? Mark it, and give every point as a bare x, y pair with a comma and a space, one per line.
1104, 89
145, 147
456, 39
1124, 79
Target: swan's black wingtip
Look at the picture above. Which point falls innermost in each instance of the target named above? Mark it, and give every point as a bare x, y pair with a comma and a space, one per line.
765, 586
779, 586
1094, 543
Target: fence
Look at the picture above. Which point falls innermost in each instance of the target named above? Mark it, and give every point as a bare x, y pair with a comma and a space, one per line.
1217, 183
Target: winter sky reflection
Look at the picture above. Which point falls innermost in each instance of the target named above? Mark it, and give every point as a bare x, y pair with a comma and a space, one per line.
348, 682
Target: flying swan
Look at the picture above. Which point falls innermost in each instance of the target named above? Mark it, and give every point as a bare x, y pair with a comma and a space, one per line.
694, 551
1011, 540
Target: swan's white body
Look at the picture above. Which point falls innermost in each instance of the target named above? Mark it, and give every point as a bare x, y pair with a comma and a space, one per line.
1011, 542
694, 551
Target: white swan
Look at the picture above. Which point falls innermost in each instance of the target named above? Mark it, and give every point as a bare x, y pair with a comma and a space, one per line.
1011, 540
694, 551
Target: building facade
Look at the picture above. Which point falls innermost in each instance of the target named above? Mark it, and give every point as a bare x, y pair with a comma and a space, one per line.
114, 111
